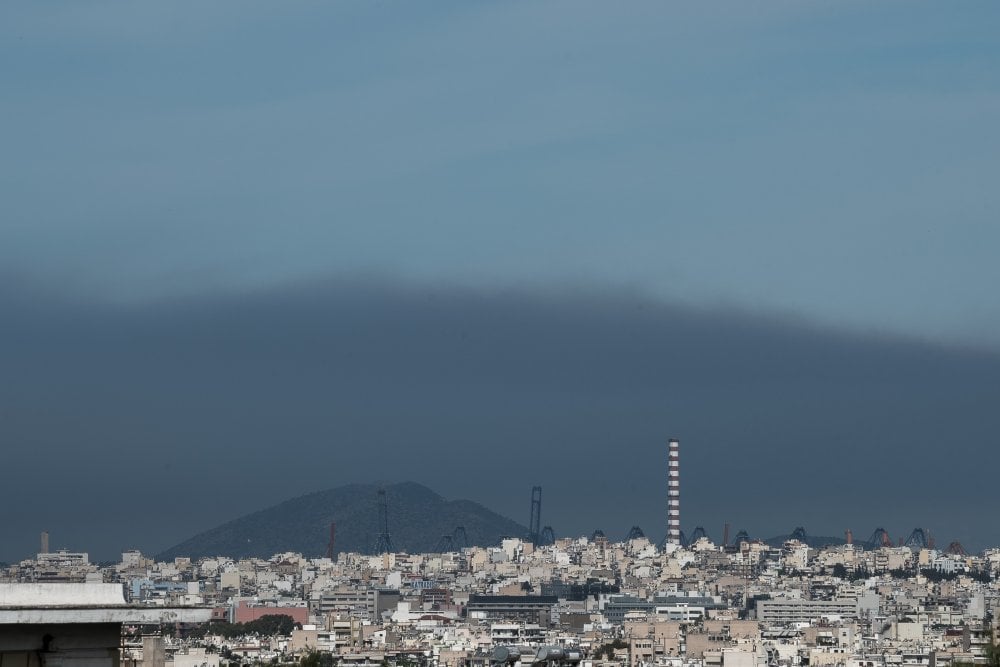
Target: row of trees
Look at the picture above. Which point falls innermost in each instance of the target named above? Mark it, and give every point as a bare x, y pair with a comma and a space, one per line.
265, 626
839, 570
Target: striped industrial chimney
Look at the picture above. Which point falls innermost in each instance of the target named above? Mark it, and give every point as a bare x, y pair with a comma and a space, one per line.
674, 492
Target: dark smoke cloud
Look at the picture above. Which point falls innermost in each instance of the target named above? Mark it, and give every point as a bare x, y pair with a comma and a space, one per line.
138, 426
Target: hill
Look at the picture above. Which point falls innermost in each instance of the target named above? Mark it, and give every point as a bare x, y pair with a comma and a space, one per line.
418, 517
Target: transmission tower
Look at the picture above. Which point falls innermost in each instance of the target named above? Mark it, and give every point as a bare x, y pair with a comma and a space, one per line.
535, 524
699, 532
384, 542
460, 538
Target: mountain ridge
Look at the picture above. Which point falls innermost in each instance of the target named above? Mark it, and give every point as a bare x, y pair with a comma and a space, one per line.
418, 517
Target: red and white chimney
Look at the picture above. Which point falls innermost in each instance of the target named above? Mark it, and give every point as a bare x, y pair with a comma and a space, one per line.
674, 492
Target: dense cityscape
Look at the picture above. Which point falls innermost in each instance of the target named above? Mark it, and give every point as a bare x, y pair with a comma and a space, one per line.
624, 604
535, 599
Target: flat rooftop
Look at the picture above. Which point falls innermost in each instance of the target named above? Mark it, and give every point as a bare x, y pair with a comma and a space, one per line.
59, 603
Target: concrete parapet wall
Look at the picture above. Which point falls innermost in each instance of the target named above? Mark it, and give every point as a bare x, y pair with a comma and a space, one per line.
61, 595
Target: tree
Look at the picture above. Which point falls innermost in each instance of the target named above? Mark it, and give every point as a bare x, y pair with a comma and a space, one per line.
270, 625
317, 659
992, 650
608, 650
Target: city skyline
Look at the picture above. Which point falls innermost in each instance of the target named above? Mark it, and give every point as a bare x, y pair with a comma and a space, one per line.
594, 602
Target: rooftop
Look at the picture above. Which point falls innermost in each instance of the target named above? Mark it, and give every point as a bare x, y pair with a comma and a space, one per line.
84, 603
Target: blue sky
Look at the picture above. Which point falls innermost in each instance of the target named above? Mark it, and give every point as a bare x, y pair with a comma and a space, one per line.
836, 161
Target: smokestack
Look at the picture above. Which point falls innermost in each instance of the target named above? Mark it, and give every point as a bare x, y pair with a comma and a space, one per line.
725, 535
849, 536
45, 542
673, 492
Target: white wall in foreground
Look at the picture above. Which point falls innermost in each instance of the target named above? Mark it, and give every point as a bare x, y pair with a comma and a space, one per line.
61, 595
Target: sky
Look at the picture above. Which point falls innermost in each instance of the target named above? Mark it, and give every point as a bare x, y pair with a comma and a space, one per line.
250, 250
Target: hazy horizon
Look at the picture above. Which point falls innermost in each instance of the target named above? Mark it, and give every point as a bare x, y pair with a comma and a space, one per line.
250, 250
162, 420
